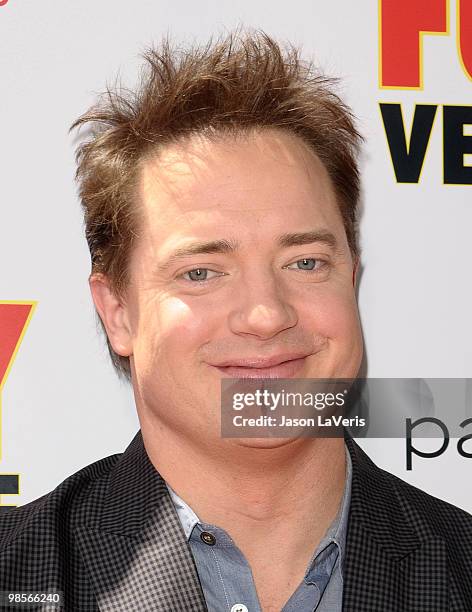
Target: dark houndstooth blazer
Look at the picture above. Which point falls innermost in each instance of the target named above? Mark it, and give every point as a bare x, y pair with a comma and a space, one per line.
109, 538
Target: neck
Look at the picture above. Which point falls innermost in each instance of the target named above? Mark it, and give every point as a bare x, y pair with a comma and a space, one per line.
256, 494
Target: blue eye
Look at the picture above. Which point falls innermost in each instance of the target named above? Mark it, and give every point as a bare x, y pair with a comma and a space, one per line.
308, 263
200, 274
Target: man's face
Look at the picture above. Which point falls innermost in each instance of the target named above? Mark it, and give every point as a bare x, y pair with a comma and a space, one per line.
242, 269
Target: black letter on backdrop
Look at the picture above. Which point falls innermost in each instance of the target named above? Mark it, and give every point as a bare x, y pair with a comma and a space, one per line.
456, 144
9, 485
409, 447
408, 159
460, 443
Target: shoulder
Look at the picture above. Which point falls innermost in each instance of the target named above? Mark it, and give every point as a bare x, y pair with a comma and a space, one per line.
78, 495
385, 499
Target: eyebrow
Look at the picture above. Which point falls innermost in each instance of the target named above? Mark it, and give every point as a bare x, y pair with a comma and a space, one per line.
301, 238
200, 248
230, 246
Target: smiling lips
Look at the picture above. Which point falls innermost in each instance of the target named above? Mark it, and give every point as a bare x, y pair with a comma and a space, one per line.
278, 366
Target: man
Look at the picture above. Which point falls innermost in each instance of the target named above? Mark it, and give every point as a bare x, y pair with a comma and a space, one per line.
220, 206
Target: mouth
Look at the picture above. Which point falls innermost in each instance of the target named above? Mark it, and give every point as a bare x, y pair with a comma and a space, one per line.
279, 366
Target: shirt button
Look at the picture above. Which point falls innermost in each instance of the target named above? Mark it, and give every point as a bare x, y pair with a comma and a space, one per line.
209, 539
239, 608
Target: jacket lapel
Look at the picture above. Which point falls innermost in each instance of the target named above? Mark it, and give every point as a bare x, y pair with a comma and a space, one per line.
135, 551
137, 557
393, 562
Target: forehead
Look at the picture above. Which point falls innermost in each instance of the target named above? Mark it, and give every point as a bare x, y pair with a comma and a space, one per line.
235, 181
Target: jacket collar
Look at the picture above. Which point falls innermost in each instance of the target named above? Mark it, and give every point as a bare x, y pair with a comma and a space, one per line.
135, 551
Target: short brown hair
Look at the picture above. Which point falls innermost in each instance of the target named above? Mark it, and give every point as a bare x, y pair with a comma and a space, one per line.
236, 84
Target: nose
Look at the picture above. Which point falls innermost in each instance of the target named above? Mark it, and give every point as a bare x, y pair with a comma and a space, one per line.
263, 309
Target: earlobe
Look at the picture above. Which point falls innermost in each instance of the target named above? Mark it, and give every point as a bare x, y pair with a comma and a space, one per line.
113, 313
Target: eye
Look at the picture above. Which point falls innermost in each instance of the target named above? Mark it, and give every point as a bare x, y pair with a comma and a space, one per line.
199, 274
308, 263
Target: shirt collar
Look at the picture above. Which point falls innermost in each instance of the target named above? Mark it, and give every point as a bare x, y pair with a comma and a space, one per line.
187, 516
333, 543
336, 532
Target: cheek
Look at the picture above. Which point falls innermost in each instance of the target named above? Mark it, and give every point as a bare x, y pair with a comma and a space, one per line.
330, 312
170, 331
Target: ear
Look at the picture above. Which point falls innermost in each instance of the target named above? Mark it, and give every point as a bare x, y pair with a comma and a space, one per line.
355, 269
113, 313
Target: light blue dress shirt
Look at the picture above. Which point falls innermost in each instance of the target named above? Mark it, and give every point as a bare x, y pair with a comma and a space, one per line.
226, 576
